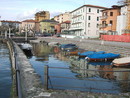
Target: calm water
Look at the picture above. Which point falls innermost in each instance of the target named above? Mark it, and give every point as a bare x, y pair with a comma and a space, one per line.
83, 80
5, 72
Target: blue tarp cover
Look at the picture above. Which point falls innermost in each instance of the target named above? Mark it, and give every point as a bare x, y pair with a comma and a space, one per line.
90, 53
103, 56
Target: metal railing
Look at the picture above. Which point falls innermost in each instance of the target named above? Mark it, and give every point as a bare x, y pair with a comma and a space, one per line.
47, 78
17, 71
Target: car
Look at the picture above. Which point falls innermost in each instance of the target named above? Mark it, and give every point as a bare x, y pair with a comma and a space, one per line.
46, 34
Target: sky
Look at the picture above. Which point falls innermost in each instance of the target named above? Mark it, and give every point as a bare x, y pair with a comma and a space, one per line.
19, 10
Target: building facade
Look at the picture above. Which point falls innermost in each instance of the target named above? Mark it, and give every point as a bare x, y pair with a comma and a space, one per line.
62, 17
65, 26
9, 26
85, 21
109, 20
30, 26
42, 15
48, 26
121, 20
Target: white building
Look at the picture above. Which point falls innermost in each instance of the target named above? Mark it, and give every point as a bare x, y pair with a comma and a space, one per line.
121, 20
85, 21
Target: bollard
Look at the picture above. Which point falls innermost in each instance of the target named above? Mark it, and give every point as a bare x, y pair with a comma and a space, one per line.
46, 77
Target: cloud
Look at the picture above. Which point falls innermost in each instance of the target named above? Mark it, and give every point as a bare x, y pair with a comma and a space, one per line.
28, 14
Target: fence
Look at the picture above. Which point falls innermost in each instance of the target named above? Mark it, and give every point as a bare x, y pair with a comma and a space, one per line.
119, 38
47, 78
13, 54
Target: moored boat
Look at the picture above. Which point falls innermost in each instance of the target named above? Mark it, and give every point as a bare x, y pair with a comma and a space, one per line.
26, 46
87, 53
125, 61
102, 57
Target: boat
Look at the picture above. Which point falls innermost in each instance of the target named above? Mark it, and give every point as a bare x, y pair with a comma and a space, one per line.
68, 47
125, 61
26, 46
85, 54
53, 43
102, 57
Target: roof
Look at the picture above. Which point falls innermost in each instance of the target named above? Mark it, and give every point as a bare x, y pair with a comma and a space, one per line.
113, 7
47, 20
88, 5
30, 20
10, 21
66, 22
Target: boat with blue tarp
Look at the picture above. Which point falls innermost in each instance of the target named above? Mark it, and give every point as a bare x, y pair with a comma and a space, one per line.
103, 63
85, 54
102, 57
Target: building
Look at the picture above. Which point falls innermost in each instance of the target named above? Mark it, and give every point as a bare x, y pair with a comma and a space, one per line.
30, 26
65, 26
62, 17
85, 21
121, 21
42, 15
9, 26
109, 20
48, 26
58, 28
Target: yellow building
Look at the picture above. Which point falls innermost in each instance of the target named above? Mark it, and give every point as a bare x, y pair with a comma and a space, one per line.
42, 15
47, 26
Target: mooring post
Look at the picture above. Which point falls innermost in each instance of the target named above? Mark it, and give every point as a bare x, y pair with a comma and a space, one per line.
46, 77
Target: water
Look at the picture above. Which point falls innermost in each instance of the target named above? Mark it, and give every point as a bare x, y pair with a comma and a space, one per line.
5, 72
83, 80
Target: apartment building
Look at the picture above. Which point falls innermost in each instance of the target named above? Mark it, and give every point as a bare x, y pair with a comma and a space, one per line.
85, 21
109, 20
62, 17
48, 26
30, 26
121, 20
65, 26
42, 15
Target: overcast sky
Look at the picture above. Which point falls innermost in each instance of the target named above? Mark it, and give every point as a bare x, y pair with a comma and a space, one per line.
25, 9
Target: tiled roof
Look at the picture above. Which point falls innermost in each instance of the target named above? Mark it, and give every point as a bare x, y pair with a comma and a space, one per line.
66, 22
88, 5
30, 20
47, 20
10, 21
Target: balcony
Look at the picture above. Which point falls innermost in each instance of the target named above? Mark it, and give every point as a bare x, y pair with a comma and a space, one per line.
103, 17
103, 25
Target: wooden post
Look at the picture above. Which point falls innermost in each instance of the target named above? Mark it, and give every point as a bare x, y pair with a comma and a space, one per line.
46, 77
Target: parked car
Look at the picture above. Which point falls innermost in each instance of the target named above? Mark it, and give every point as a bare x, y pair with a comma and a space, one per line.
46, 34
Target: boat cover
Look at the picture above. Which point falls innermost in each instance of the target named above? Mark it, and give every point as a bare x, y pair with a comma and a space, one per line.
90, 53
103, 56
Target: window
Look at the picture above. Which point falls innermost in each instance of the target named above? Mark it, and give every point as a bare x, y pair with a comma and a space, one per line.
97, 25
89, 17
88, 24
89, 10
111, 22
111, 13
97, 18
97, 10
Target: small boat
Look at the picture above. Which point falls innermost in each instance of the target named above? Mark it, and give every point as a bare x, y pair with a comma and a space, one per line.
125, 61
26, 46
53, 43
102, 57
85, 54
103, 63
68, 47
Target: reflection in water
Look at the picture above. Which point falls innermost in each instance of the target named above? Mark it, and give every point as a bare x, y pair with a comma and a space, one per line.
5, 72
103, 79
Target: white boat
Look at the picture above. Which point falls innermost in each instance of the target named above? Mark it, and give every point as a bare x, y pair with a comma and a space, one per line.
53, 43
26, 46
125, 61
